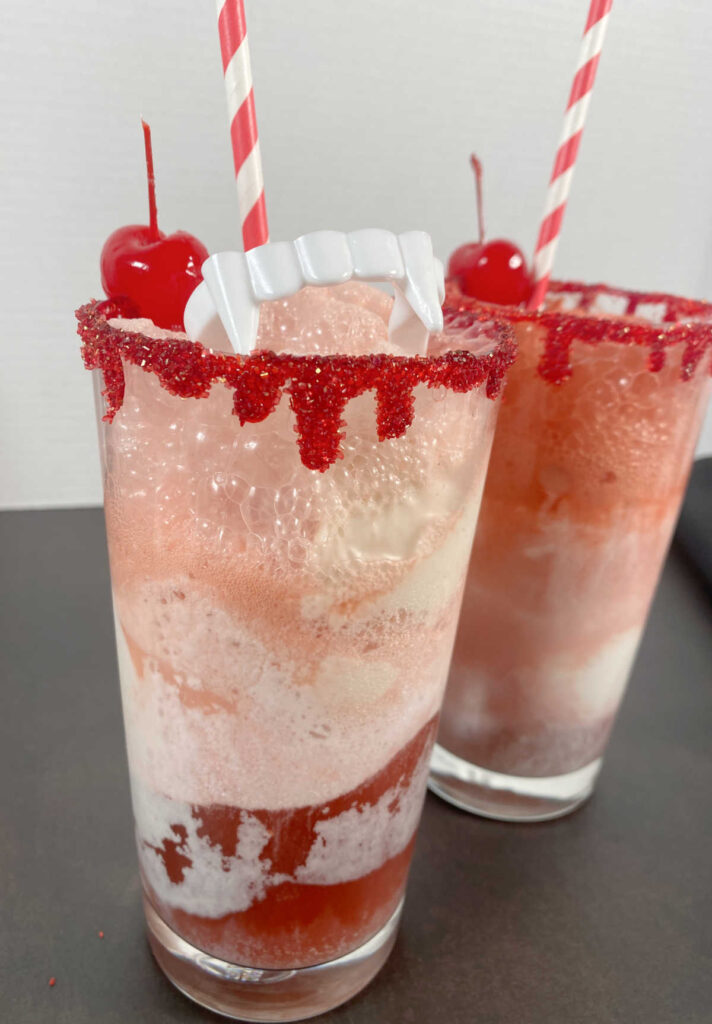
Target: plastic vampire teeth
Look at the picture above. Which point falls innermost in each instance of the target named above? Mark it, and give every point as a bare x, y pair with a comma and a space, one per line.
223, 312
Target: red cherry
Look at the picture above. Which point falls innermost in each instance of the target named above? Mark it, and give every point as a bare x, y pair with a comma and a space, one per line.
463, 258
498, 274
156, 273
493, 271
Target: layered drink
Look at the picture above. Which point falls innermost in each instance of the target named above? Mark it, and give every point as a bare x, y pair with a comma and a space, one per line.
589, 465
286, 593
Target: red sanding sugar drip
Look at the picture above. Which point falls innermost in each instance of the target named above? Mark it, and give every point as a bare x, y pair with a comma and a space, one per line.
319, 386
597, 312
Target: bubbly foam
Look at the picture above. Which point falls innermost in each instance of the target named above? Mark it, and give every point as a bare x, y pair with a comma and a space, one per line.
308, 323
255, 712
352, 315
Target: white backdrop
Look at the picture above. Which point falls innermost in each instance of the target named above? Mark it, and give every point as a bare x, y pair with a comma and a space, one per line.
368, 110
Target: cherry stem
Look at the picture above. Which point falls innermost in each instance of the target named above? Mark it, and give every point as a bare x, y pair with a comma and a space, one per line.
477, 168
152, 209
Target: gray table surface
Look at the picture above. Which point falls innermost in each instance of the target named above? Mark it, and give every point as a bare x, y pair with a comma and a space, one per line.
602, 917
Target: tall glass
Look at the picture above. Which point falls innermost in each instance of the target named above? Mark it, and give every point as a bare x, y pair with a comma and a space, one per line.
284, 634
590, 460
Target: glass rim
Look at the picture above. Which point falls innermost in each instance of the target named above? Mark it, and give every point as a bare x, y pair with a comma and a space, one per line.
686, 322
319, 386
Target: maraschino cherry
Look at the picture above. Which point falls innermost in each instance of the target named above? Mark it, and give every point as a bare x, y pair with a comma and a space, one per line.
156, 273
493, 271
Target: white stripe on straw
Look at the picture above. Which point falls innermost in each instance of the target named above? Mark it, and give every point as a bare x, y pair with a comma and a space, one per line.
238, 79
249, 184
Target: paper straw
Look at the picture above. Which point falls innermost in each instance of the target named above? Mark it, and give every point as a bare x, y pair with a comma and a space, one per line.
243, 123
565, 162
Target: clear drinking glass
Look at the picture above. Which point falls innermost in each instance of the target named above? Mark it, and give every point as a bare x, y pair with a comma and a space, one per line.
589, 465
284, 634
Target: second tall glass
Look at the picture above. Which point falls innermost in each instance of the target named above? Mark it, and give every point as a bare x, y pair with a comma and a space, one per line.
591, 456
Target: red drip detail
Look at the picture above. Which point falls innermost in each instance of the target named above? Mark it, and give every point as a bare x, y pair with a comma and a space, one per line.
685, 322
319, 387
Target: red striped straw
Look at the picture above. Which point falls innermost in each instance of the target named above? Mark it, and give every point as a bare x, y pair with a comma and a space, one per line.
565, 162
243, 123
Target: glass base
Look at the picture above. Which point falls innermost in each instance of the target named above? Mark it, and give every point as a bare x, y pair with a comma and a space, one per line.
508, 797
253, 994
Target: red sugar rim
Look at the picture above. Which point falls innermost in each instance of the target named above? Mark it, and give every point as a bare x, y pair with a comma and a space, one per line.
685, 322
319, 386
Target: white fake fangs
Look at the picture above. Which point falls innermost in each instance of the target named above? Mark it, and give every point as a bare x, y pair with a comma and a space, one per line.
223, 311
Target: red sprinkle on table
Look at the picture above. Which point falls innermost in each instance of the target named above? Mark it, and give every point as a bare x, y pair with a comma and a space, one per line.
318, 386
685, 322
52, 982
